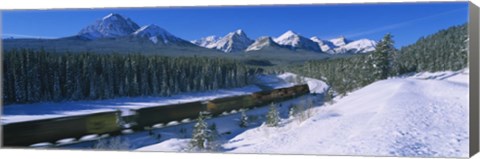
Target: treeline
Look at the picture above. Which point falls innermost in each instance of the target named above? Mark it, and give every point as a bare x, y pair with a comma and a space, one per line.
342, 74
346, 74
445, 50
34, 76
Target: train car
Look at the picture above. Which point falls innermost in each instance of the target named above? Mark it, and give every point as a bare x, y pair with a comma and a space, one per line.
149, 116
218, 106
54, 129
266, 97
300, 89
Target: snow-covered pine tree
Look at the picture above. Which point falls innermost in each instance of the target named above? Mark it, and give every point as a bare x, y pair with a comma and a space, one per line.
200, 133
273, 117
309, 105
380, 59
243, 119
329, 96
292, 111
204, 138
213, 138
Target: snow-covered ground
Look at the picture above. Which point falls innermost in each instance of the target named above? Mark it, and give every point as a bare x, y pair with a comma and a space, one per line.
421, 115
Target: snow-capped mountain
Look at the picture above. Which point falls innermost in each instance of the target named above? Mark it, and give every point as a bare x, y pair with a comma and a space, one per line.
207, 42
295, 41
325, 45
115, 26
342, 45
156, 34
262, 42
358, 46
340, 41
238, 41
111, 26
232, 42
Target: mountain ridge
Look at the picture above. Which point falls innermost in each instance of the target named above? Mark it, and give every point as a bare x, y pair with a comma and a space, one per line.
292, 41
116, 29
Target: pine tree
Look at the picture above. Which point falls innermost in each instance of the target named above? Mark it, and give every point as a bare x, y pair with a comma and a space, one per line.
200, 135
328, 95
243, 119
213, 138
292, 111
380, 59
273, 117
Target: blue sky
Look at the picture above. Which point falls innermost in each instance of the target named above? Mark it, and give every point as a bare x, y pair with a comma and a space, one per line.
407, 21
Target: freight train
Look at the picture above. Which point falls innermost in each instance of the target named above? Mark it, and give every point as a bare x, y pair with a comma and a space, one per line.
54, 129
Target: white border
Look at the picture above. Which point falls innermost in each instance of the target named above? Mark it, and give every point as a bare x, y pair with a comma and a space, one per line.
76, 154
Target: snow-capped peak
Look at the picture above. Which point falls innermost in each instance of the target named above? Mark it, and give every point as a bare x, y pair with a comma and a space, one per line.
232, 42
295, 41
316, 39
342, 45
340, 41
155, 34
111, 26
358, 46
325, 45
288, 33
287, 38
261, 43
113, 16
151, 30
207, 42
239, 32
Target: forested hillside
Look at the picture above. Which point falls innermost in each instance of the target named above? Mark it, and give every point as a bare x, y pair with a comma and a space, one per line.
445, 50
34, 76
442, 51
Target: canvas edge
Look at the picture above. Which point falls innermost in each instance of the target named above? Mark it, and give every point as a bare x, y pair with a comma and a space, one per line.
474, 59
1, 77
474, 64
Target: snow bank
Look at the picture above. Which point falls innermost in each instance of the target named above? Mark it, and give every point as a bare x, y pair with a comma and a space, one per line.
175, 145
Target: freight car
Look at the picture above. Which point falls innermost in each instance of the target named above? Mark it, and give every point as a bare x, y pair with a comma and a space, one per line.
54, 129
218, 106
146, 117
266, 97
